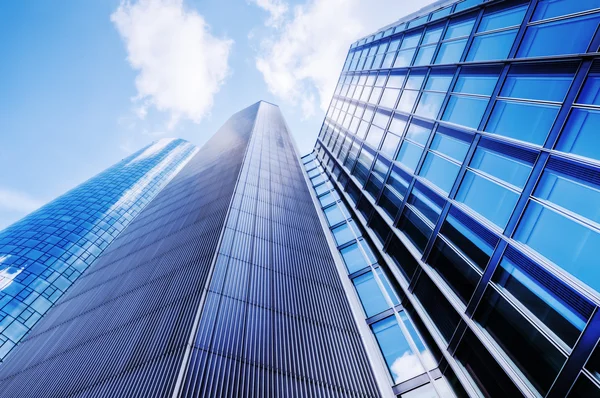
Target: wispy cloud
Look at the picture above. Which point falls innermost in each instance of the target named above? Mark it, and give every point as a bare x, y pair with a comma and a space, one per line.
300, 61
13, 200
276, 9
180, 64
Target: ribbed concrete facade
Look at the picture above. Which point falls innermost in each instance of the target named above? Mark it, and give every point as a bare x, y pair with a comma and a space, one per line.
229, 257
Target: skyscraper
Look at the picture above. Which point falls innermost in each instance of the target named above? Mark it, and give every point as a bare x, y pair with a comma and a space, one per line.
458, 167
222, 285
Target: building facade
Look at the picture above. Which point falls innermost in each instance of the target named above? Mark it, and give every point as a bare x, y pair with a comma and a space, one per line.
44, 253
224, 285
458, 167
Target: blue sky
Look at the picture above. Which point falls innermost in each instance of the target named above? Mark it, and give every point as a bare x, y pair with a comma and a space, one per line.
85, 83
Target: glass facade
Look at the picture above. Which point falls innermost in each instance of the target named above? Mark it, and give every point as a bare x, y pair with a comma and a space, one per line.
476, 195
44, 253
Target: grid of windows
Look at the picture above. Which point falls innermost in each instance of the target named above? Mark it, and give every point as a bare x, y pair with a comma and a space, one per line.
43, 254
482, 189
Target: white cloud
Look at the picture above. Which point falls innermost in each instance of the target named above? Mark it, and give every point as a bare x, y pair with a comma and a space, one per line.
276, 9
18, 201
302, 60
180, 64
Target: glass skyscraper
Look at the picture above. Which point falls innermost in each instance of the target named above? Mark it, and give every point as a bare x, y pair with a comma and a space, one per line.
458, 168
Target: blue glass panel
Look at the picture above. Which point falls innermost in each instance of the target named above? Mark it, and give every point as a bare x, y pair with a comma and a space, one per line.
441, 13
569, 244
430, 105
398, 182
327, 199
418, 133
404, 57
450, 52
502, 19
386, 284
407, 100
389, 97
374, 136
501, 166
555, 8
424, 55
459, 28
334, 215
439, 171
571, 36
580, 134
409, 155
432, 35
466, 111
396, 80
426, 355
590, 93
522, 121
573, 194
398, 125
487, 198
541, 86
476, 81
370, 295
450, 146
354, 258
467, 4
491, 46
390, 144
411, 40
438, 81
343, 234
402, 363
415, 80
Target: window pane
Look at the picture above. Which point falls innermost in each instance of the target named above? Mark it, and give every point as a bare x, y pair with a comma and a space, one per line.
334, 215
390, 144
370, 295
487, 198
430, 105
327, 199
457, 272
409, 155
569, 36
476, 81
583, 387
396, 80
513, 171
546, 86
424, 55
438, 308
555, 8
424, 205
404, 57
570, 245
398, 182
398, 124
580, 134
402, 363
418, 133
415, 80
386, 285
545, 305
467, 242
411, 40
590, 94
522, 121
390, 203
389, 97
432, 35
374, 136
438, 81
450, 52
492, 46
459, 28
407, 100
439, 171
466, 111
502, 19
537, 358
450, 146
415, 229
354, 258
343, 234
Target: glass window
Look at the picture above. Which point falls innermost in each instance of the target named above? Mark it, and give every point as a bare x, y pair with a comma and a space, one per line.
465, 111
450, 52
354, 258
529, 84
409, 155
389, 97
441, 312
554, 8
522, 121
450, 146
390, 144
334, 215
584, 387
467, 242
549, 308
430, 105
571, 36
438, 81
396, 80
343, 234
398, 124
564, 241
590, 94
459, 28
402, 363
580, 134
415, 228
398, 182
492, 46
432, 35
407, 100
476, 81
537, 358
404, 57
424, 55
386, 284
327, 199
411, 40
502, 19
390, 202
418, 132
439, 171
426, 206
374, 136
373, 301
